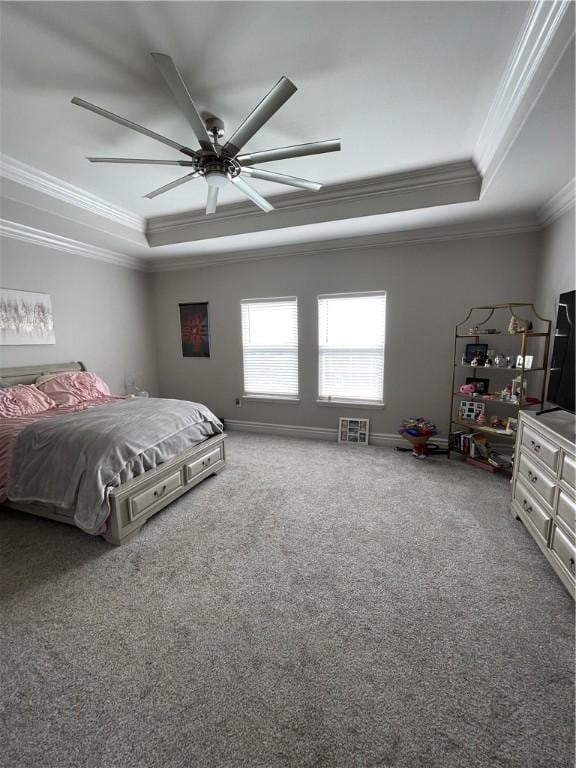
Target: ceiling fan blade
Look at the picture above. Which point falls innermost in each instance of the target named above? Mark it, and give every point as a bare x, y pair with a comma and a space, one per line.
281, 178
134, 126
270, 104
212, 199
137, 161
250, 192
183, 98
171, 185
283, 153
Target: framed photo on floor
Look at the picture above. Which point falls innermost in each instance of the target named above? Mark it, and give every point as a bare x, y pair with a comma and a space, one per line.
195, 329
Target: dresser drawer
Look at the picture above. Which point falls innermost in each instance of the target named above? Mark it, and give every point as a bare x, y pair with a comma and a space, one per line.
564, 550
537, 446
532, 509
142, 502
537, 479
568, 473
203, 463
567, 510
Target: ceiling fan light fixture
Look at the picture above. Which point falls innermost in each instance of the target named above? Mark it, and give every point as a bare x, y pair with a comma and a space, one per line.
217, 179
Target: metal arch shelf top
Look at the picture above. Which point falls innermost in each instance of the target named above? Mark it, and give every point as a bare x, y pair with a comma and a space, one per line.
509, 306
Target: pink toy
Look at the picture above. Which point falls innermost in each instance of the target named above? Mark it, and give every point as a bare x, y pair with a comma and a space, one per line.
468, 389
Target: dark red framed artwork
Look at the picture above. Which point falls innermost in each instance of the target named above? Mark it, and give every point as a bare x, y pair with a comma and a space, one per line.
194, 330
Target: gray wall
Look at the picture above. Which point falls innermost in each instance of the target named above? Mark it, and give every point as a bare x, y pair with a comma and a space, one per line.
556, 273
101, 313
430, 287
556, 269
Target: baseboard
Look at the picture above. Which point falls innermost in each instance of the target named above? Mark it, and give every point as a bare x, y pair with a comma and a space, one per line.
316, 433
287, 430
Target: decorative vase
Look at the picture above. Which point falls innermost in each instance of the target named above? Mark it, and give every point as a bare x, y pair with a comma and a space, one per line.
418, 443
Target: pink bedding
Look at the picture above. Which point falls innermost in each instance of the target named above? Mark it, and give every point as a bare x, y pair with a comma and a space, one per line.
23, 400
10, 428
72, 387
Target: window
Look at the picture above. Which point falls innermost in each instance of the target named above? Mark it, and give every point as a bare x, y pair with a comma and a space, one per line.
351, 330
270, 344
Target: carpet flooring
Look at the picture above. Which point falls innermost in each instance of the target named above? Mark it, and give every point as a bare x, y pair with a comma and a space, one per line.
313, 605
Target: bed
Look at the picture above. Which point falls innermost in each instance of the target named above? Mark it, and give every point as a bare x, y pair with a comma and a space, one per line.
149, 482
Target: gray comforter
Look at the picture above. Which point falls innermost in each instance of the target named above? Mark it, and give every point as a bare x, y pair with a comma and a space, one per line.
76, 459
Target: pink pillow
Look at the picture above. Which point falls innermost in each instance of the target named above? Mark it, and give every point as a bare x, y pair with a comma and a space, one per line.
73, 387
23, 400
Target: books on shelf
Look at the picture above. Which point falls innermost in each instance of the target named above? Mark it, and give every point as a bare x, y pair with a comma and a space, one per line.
471, 444
474, 446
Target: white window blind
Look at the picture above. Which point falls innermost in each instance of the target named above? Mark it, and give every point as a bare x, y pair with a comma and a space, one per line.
270, 346
351, 333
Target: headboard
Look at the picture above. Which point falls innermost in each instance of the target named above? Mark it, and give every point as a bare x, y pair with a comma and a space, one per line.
29, 373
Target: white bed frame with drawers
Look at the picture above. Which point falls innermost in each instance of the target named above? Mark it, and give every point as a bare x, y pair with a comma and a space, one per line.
134, 502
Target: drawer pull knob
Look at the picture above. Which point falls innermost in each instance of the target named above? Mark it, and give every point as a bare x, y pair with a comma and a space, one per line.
573, 566
206, 462
532, 477
535, 446
159, 493
526, 507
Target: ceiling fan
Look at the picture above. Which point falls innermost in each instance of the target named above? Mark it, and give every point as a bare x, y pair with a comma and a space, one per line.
219, 165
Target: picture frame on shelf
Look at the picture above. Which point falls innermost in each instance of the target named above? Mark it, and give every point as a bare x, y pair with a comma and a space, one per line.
474, 351
482, 385
471, 410
528, 360
512, 425
519, 361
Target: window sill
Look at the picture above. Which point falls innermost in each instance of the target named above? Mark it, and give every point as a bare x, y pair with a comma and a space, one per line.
271, 399
351, 403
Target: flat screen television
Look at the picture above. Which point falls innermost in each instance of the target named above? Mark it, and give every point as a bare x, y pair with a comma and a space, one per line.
561, 381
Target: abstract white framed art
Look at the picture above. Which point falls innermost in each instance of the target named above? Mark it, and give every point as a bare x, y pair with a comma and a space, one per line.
25, 317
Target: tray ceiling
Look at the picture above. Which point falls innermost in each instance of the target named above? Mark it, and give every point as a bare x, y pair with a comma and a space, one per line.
405, 85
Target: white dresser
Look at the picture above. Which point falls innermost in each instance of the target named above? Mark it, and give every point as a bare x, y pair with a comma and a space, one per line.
543, 487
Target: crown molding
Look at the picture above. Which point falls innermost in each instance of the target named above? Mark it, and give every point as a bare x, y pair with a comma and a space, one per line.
547, 31
492, 228
419, 188
33, 178
16, 231
558, 204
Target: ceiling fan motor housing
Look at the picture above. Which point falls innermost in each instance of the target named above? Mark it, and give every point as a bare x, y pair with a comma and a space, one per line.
218, 170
